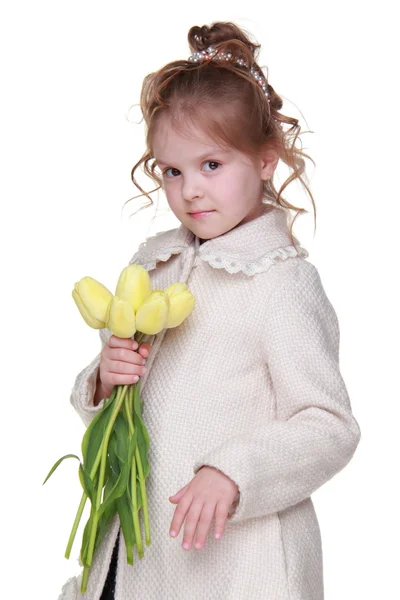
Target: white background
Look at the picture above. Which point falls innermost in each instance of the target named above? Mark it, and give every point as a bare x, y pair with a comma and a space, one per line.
69, 73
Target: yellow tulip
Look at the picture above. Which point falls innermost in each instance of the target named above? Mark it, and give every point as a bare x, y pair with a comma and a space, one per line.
121, 320
92, 299
134, 285
152, 316
181, 304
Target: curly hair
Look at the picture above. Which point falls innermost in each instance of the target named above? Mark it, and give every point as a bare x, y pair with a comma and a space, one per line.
224, 100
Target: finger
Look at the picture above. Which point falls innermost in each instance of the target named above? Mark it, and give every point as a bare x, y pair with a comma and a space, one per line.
203, 528
117, 342
145, 349
221, 515
113, 379
116, 363
123, 349
179, 515
176, 497
191, 524
125, 355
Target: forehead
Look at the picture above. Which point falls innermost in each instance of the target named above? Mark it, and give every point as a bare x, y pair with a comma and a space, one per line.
170, 140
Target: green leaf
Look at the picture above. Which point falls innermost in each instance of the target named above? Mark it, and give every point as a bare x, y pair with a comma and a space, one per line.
132, 446
138, 494
103, 524
124, 508
137, 404
101, 530
122, 433
118, 489
93, 437
125, 409
87, 483
111, 398
112, 454
54, 467
110, 478
86, 537
143, 436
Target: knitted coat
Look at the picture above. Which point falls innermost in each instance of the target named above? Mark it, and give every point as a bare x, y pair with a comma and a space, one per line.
250, 384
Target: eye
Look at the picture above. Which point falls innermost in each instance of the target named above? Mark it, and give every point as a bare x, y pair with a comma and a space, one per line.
212, 162
170, 169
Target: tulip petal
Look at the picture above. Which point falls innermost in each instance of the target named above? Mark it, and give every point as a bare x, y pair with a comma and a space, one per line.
121, 320
152, 315
91, 321
134, 285
94, 300
182, 303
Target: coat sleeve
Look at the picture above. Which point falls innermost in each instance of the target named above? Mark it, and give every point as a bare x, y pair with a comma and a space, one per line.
82, 393
314, 434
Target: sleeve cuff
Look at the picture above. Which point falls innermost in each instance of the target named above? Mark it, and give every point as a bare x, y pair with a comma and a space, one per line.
82, 394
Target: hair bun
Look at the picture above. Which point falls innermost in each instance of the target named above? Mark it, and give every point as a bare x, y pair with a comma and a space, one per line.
222, 32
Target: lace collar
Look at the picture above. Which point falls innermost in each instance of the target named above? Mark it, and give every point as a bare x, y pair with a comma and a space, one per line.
251, 247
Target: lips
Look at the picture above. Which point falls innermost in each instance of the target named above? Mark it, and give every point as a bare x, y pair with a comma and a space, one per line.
196, 212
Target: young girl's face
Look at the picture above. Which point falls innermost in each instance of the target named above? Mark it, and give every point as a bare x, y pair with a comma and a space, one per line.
198, 175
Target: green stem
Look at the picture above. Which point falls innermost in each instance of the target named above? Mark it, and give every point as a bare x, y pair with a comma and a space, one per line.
82, 503
75, 525
86, 569
85, 577
135, 512
142, 483
102, 452
122, 390
139, 337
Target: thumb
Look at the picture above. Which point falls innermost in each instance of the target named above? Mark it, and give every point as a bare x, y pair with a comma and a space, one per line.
176, 497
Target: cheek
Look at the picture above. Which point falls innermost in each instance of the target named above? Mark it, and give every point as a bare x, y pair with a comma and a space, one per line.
171, 192
175, 204
231, 191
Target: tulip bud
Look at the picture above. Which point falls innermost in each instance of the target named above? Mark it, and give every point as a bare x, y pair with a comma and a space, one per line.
152, 316
134, 285
121, 319
92, 299
181, 304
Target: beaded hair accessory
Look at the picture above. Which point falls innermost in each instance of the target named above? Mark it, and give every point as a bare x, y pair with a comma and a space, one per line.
211, 52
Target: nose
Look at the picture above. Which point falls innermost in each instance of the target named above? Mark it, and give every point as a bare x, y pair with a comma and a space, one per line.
191, 188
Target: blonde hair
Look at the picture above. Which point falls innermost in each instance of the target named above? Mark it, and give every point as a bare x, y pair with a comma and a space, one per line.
226, 103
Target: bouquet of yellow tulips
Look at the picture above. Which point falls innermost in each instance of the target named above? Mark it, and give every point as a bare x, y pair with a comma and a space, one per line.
115, 445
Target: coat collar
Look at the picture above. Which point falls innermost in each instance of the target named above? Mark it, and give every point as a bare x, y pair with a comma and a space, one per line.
251, 247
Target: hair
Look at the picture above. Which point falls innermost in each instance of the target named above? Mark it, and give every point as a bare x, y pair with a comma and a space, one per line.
225, 102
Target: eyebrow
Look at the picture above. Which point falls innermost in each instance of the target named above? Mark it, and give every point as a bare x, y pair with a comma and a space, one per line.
216, 150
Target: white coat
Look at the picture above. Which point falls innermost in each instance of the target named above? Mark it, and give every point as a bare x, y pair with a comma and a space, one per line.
250, 384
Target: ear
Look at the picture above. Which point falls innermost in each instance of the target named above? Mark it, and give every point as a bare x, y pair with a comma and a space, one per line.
269, 159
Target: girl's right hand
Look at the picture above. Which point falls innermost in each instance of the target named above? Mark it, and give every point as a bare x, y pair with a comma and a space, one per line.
120, 364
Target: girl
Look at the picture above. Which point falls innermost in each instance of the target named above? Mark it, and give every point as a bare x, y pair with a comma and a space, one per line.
246, 407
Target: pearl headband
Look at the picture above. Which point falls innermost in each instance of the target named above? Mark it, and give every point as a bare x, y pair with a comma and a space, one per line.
211, 52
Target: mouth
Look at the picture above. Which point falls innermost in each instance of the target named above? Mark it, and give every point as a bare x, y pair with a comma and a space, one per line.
201, 214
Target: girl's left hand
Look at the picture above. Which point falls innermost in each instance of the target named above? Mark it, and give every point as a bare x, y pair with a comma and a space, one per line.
209, 492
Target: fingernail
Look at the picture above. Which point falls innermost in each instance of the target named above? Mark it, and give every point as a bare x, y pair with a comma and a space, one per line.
186, 546
172, 533
135, 345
